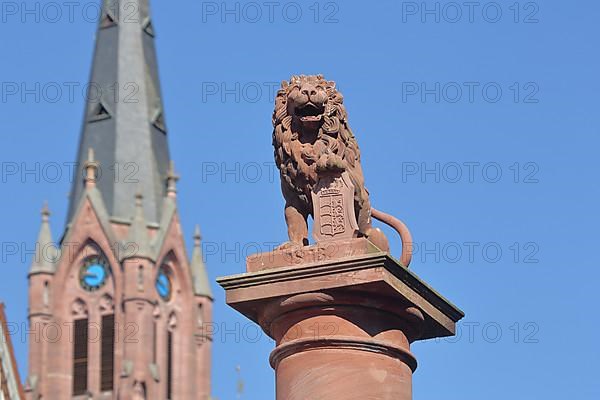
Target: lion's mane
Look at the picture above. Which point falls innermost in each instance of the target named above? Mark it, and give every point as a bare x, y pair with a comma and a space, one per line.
335, 136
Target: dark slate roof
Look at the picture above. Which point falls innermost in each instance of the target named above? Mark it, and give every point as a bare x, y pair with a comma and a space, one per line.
125, 127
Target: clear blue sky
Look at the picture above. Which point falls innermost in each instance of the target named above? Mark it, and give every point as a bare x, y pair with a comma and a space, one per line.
529, 330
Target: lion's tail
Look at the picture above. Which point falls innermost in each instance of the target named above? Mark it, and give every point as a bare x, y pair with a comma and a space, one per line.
402, 229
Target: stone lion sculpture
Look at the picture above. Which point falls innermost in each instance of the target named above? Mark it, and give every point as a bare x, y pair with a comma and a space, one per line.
312, 137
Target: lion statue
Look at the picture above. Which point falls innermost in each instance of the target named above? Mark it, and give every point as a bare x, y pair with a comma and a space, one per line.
311, 136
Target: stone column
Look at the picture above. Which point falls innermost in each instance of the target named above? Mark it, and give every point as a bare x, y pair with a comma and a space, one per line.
343, 315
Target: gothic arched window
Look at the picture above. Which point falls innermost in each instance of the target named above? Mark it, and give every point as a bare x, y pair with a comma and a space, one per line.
80, 347
107, 355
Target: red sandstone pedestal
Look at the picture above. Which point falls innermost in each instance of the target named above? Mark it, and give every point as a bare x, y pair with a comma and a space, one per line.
343, 316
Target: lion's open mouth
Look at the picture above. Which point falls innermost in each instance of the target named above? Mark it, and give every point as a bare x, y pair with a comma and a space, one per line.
310, 112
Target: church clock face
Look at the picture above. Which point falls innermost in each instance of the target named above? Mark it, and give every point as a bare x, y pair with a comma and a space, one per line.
93, 274
163, 284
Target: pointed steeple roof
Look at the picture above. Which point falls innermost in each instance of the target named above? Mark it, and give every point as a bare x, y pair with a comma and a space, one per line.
199, 275
124, 116
45, 251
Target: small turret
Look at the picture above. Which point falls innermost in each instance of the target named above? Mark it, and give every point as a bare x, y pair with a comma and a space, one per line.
172, 179
91, 169
45, 250
201, 283
41, 275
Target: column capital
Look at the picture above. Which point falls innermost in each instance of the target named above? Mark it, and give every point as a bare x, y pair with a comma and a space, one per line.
346, 313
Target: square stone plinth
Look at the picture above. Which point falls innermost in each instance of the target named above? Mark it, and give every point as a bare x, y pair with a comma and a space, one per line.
355, 266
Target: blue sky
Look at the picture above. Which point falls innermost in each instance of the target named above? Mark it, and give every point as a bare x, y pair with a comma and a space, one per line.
478, 129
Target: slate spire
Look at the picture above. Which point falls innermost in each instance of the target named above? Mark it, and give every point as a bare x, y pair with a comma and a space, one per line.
124, 117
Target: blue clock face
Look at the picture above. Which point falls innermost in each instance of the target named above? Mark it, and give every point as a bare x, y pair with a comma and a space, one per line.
93, 274
163, 284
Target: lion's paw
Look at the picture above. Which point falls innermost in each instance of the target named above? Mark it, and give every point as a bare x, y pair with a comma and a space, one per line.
289, 246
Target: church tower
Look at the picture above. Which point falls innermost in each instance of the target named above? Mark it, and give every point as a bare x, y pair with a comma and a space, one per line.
117, 309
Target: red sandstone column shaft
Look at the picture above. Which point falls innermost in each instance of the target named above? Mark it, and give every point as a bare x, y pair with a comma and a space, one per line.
338, 346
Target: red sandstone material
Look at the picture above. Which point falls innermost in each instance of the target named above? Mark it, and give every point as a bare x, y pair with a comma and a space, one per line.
343, 324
